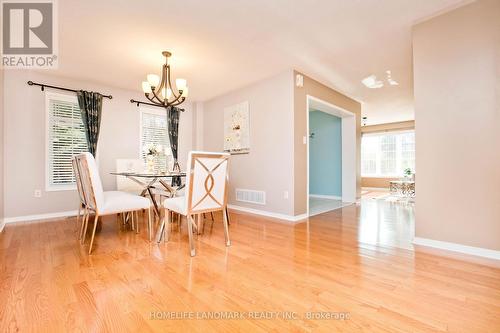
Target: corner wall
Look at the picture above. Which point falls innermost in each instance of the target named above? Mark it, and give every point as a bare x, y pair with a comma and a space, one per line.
457, 116
269, 165
300, 114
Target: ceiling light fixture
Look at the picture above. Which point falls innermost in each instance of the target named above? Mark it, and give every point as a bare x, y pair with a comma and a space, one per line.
160, 91
372, 82
391, 81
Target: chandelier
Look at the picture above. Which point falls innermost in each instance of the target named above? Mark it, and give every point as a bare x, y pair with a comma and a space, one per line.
161, 92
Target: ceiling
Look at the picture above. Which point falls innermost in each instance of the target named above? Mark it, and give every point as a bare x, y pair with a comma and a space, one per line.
221, 45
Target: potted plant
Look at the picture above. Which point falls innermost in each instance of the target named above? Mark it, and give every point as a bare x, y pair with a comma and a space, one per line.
408, 174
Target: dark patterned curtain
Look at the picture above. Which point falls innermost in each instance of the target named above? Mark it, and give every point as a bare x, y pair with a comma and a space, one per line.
173, 135
91, 108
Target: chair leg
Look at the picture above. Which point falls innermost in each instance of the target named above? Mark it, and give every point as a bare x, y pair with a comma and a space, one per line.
227, 217
78, 216
93, 233
166, 227
212, 215
150, 227
81, 223
201, 224
190, 234
226, 228
132, 221
136, 222
85, 222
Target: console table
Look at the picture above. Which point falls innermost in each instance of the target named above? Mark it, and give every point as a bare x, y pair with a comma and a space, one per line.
404, 188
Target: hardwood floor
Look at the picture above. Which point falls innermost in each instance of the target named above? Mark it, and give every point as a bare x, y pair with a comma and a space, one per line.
48, 283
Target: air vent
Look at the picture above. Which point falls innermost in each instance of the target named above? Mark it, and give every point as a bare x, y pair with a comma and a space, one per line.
256, 197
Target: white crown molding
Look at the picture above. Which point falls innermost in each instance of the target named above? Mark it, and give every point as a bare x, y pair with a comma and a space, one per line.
38, 217
321, 196
284, 217
471, 250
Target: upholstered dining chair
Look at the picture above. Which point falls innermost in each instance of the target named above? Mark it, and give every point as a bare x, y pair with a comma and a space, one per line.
206, 192
82, 205
109, 202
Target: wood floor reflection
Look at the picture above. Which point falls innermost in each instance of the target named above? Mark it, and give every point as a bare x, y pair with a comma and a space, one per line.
356, 260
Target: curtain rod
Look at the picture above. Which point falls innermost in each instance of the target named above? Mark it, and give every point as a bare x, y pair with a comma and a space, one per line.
43, 86
146, 103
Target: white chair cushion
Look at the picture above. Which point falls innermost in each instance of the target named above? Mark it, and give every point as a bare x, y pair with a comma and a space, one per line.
177, 204
116, 201
95, 180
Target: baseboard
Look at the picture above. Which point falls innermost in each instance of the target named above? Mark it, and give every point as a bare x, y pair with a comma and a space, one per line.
38, 217
2, 224
378, 189
321, 196
284, 217
465, 249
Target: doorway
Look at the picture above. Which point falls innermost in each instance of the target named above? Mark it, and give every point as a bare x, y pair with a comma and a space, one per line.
331, 156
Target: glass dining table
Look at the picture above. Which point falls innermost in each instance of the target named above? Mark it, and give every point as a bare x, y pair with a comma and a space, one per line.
153, 184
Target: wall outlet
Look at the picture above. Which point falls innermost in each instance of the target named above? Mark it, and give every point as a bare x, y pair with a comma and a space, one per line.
38, 193
304, 140
285, 195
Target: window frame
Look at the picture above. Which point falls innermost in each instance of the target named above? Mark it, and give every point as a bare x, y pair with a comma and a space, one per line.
65, 98
398, 153
153, 111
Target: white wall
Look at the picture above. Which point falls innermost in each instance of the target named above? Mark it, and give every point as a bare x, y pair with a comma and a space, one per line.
457, 126
24, 140
269, 165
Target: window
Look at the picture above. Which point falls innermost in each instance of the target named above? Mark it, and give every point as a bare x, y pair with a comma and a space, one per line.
154, 131
387, 154
65, 138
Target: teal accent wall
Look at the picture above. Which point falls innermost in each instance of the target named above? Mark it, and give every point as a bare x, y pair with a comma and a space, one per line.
325, 154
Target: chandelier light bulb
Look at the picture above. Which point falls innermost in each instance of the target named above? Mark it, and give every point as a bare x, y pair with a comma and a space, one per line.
180, 84
146, 87
154, 80
185, 92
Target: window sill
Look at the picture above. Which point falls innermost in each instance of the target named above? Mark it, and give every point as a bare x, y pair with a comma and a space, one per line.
384, 176
60, 188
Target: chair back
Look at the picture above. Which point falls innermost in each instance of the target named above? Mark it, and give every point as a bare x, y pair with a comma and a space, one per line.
78, 181
91, 181
123, 183
206, 182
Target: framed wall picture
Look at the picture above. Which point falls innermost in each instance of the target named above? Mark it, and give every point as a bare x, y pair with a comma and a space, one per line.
237, 129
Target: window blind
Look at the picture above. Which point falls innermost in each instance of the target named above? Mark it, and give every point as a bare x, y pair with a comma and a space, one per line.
66, 138
154, 131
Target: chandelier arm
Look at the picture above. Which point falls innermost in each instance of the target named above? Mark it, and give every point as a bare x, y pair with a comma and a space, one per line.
172, 88
151, 98
175, 100
180, 102
157, 97
163, 77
